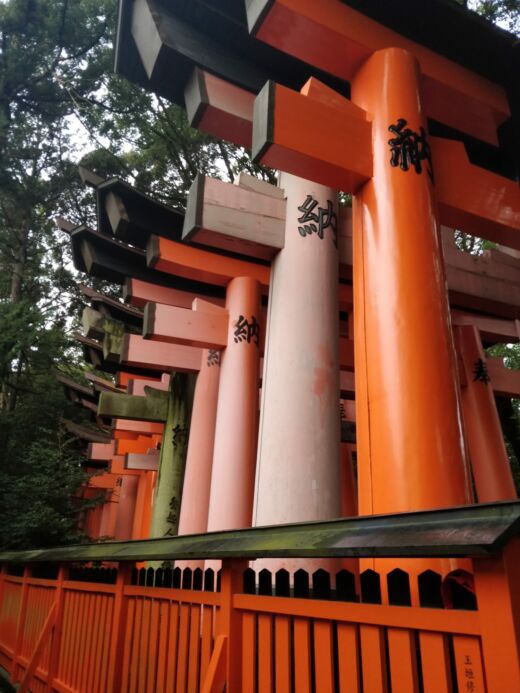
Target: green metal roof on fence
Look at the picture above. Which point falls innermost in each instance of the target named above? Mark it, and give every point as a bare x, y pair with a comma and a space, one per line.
477, 530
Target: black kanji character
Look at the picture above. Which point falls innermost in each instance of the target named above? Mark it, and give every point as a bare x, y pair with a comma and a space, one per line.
245, 331
317, 223
213, 357
408, 148
480, 372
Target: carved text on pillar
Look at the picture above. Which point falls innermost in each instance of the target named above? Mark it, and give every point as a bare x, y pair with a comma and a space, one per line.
317, 223
180, 435
213, 357
409, 148
480, 372
247, 331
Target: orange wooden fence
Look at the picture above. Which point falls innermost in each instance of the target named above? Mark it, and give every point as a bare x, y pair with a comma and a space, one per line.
79, 633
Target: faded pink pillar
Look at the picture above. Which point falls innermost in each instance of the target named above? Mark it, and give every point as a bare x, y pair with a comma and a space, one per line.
193, 517
126, 507
233, 473
298, 467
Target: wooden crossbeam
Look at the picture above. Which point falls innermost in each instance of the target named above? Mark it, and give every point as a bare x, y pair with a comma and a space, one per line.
137, 427
141, 353
101, 452
230, 217
473, 199
505, 381
190, 263
123, 406
142, 462
139, 293
300, 134
182, 326
338, 39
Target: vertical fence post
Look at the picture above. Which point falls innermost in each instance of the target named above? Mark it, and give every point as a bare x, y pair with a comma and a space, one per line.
229, 621
21, 623
58, 627
497, 582
117, 635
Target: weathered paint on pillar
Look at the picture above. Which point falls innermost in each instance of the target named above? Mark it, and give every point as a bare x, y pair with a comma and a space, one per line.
126, 507
411, 452
232, 478
168, 491
298, 468
199, 460
489, 460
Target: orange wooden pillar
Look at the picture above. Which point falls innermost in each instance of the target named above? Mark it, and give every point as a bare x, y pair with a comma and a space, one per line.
411, 453
199, 459
126, 507
489, 460
232, 478
298, 467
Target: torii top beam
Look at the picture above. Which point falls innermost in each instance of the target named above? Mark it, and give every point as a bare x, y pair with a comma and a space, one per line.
460, 80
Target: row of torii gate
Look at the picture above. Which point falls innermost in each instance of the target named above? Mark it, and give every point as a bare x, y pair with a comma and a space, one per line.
283, 359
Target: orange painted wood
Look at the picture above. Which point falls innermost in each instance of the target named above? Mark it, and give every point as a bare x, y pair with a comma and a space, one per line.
215, 680
265, 656
139, 293
282, 662
373, 658
143, 652
489, 460
323, 657
171, 665
473, 199
435, 663
20, 625
445, 621
216, 106
348, 658
504, 381
163, 655
249, 647
194, 649
453, 94
183, 326
147, 354
118, 623
302, 656
194, 263
127, 426
206, 645
287, 136
141, 445
402, 660
468, 664
497, 584
107, 481
46, 632
139, 633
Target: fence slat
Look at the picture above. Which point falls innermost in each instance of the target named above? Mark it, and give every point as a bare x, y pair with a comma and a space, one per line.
194, 649
373, 657
127, 645
152, 647
143, 654
282, 654
171, 667
348, 658
265, 654
302, 655
206, 646
135, 660
248, 652
323, 657
403, 664
162, 652
182, 657
435, 662
468, 664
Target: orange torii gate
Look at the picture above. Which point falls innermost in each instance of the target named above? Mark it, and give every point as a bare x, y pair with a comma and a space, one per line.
411, 452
